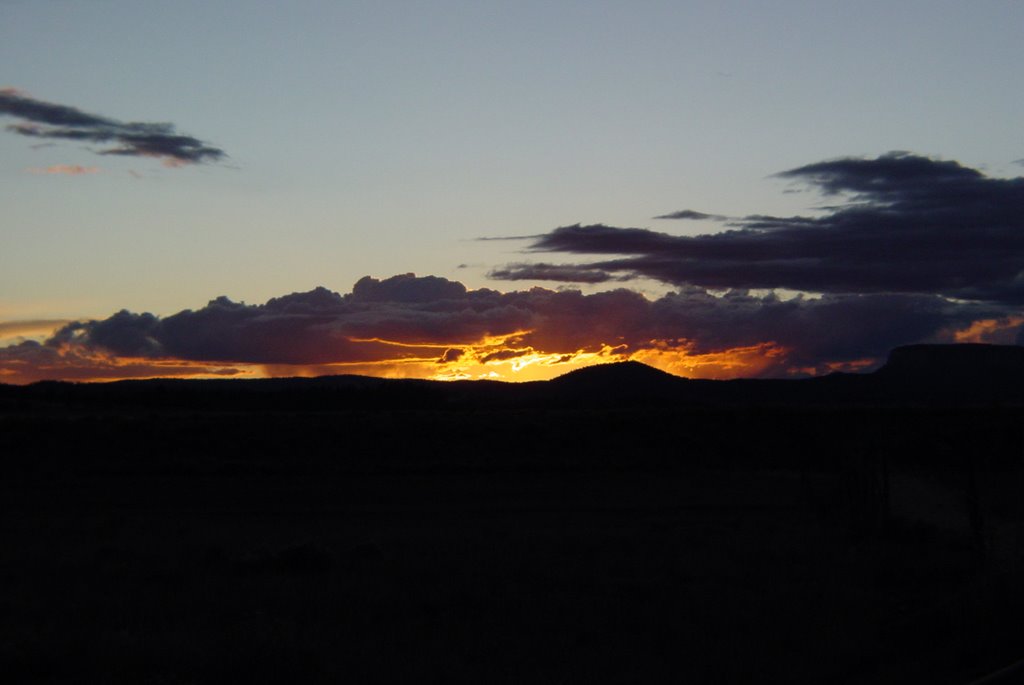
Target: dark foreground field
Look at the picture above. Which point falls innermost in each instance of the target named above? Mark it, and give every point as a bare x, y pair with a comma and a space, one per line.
543, 544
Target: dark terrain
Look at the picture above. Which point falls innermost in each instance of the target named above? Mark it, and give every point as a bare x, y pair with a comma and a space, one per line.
614, 525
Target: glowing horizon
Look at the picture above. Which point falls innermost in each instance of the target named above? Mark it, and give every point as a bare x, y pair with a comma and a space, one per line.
526, 368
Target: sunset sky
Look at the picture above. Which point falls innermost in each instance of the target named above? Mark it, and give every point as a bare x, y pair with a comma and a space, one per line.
509, 190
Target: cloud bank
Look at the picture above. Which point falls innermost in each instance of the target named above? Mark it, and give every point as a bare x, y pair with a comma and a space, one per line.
51, 121
433, 327
902, 223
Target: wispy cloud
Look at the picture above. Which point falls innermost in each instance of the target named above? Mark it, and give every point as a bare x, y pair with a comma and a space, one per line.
51, 121
65, 170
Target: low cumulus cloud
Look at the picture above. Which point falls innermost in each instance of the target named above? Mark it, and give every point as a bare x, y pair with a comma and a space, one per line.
50, 121
902, 223
437, 327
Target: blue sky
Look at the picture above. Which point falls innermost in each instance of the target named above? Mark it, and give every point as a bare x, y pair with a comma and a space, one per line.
368, 138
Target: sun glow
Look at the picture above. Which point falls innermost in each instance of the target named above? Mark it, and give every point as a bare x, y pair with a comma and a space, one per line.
522, 364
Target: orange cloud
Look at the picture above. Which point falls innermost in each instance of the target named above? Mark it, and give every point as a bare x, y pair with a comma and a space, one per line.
1001, 331
65, 170
736, 362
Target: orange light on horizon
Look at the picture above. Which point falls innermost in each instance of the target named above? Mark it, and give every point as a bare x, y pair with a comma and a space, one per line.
506, 358
530, 366
64, 364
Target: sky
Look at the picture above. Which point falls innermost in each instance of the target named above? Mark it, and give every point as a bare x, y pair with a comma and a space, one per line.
504, 190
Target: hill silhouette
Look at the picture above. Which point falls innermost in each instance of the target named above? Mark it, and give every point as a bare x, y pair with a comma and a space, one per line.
630, 372
628, 382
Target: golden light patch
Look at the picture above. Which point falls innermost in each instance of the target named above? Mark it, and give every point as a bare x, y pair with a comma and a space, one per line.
533, 366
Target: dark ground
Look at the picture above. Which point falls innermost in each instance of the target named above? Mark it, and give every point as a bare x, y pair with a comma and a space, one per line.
154, 543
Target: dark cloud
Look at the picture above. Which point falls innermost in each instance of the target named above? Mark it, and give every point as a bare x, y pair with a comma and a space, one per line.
690, 214
815, 331
452, 354
48, 120
906, 224
434, 321
601, 239
504, 355
402, 316
407, 288
891, 177
566, 273
125, 334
